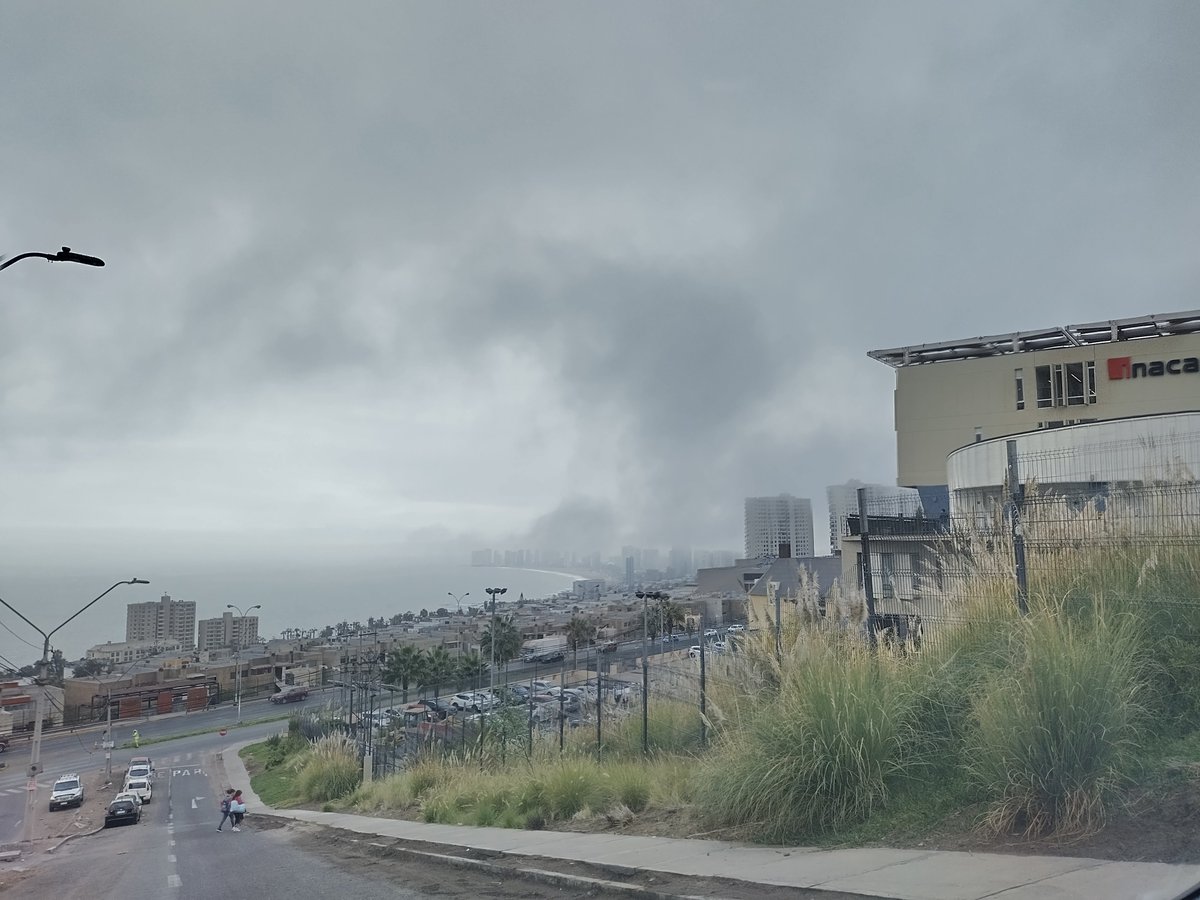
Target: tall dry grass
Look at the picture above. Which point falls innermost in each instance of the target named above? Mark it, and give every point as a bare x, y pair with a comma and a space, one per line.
1052, 737
822, 752
329, 770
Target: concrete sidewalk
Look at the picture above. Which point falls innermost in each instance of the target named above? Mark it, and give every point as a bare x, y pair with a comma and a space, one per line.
901, 874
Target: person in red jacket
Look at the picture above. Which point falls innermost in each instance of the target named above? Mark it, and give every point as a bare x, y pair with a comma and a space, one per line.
237, 809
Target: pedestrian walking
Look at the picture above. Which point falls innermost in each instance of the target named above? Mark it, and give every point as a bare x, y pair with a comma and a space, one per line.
237, 810
137, 739
226, 810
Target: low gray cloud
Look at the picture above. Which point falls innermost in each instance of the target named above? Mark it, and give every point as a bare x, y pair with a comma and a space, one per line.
421, 278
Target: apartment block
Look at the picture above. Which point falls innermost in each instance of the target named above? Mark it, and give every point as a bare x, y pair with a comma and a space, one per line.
774, 521
162, 620
227, 631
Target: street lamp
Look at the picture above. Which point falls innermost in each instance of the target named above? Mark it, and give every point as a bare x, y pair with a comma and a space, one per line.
63, 255
646, 597
237, 650
35, 747
494, 593
458, 598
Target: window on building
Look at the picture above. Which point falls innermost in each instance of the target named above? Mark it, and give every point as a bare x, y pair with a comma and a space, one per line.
1065, 384
1058, 379
1075, 384
1045, 394
1020, 378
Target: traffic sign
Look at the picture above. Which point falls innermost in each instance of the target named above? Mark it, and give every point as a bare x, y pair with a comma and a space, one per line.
32, 786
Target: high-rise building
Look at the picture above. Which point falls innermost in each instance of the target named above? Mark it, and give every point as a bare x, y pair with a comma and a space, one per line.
161, 620
227, 631
680, 564
882, 500
772, 521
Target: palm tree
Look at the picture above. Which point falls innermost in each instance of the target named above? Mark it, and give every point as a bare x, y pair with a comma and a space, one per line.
579, 631
470, 668
671, 614
439, 667
508, 641
404, 665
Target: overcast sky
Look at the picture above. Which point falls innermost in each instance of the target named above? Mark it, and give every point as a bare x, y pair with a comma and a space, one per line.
406, 279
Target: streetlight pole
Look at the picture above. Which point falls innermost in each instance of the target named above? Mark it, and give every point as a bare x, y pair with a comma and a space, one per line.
494, 593
237, 651
35, 746
458, 598
646, 597
63, 255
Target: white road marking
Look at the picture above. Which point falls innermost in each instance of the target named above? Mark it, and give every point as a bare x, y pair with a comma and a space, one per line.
174, 881
170, 857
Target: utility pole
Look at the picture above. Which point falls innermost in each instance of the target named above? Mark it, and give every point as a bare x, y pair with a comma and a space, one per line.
646, 597
703, 695
495, 593
108, 739
35, 745
239, 633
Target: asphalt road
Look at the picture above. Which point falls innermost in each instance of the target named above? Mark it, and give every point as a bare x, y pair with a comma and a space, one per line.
80, 751
175, 852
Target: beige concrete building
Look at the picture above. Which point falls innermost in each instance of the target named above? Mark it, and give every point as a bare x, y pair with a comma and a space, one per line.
954, 393
226, 631
162, 620
115, 654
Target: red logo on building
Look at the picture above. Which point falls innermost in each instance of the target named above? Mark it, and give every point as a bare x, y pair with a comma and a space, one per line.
1120, 367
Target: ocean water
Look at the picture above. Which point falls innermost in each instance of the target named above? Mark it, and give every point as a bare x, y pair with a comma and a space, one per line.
296, 596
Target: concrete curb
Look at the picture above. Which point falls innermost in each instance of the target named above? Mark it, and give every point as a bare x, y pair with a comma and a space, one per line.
71, 837
542, 876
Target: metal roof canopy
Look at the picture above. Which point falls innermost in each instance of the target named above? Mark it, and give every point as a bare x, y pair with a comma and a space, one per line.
1158, 325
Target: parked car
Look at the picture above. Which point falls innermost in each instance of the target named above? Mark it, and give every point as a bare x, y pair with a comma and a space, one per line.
143, 761
710, 632
67, 791
122, 811
139, 771
139, 786
719, 646
439, 707
608, 647
736, 629
290, 695
486, 700
129, 796
3, 744
463, 701
694, 652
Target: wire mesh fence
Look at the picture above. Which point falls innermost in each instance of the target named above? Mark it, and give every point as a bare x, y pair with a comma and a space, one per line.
908, 585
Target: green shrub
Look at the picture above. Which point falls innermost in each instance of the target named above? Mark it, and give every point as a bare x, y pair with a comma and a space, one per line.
329, 770
630, 785
572, 786
819, 758
1053, 736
